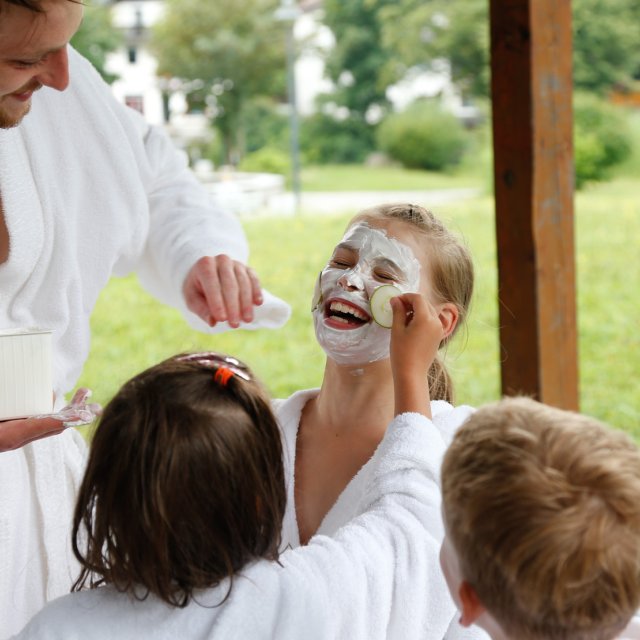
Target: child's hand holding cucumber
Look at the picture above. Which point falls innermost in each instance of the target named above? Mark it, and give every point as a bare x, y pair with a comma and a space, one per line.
416, 334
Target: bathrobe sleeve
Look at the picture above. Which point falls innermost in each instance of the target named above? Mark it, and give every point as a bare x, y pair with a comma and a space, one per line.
379, 576
183, 222
433, 620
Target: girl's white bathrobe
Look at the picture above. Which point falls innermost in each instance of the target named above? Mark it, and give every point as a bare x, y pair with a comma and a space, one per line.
372, 580
439, 621
88, 190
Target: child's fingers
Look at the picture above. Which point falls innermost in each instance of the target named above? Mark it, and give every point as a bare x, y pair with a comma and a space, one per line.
399, 311
409, 306
403, 312
415, 318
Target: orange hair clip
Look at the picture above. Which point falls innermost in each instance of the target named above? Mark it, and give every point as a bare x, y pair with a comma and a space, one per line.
222, 375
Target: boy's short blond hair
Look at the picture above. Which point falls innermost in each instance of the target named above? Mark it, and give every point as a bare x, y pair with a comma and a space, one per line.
543, 509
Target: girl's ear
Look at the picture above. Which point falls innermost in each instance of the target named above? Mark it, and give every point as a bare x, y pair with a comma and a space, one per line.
470, 604
448, 314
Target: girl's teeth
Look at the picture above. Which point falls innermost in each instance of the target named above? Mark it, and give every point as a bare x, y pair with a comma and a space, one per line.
343, 308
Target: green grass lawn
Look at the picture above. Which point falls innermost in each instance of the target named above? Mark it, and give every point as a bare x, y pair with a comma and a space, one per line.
132, 331
358, 178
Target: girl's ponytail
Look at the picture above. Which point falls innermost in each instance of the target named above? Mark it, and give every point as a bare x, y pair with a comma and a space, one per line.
440, 383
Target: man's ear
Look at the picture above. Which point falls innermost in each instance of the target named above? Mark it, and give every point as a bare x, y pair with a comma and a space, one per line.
470, 604
448, 314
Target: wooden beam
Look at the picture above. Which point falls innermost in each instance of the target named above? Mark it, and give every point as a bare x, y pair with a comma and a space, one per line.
531, 51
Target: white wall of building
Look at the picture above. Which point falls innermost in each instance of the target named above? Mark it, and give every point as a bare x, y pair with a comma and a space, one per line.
137, 79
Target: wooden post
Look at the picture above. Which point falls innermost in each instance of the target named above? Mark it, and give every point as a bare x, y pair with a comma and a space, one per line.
531, 50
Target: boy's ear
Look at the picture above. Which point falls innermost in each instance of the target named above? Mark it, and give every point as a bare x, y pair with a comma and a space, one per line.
448, 314
470, 604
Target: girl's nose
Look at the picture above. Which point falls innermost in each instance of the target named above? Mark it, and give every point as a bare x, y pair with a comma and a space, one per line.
351, 280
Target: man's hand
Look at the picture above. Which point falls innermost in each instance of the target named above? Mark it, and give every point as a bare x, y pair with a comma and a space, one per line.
219, 288
16, 433
415, 337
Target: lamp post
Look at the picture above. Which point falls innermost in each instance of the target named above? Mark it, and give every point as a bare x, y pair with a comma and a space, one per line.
287, 12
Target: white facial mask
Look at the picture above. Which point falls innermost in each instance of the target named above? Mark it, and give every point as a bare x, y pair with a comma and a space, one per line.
364, 260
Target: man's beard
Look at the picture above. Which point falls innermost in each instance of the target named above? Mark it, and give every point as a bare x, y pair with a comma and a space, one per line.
8, 121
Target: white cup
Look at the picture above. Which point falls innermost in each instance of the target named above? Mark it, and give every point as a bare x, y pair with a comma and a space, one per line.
26, 378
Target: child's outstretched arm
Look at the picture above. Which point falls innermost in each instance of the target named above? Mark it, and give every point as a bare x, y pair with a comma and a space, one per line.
415, 336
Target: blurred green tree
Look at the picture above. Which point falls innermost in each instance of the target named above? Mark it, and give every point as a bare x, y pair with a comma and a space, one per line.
236, 50
356, 62
421, 31
605, 34
606, 38
97, 37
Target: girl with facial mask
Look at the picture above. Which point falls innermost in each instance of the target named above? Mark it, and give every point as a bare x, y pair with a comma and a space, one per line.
331, 433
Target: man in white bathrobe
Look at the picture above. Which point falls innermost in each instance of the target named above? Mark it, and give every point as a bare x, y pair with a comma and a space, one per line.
87, 190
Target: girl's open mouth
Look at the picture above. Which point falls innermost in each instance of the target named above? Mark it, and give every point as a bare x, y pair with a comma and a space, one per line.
340, 314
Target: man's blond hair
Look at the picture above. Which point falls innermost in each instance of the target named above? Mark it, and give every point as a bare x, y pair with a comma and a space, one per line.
543, 509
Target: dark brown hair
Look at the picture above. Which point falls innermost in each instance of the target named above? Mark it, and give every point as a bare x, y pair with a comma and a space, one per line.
451, 273
543, 509
184, 484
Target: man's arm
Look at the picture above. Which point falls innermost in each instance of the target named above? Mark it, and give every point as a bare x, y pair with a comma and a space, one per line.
17, 433
195, 256
198, 247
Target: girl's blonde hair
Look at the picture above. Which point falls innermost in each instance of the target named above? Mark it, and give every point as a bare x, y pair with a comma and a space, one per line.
451, 272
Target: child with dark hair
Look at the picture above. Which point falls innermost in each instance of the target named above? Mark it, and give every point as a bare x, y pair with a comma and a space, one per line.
177, 524
542, 512
184, 485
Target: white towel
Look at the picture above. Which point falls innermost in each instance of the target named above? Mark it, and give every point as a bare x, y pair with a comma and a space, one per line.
632, 632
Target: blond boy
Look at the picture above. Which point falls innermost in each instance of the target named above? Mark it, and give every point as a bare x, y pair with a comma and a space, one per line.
542, 511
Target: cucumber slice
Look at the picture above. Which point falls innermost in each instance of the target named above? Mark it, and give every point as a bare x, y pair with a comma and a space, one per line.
317, 294
381, 310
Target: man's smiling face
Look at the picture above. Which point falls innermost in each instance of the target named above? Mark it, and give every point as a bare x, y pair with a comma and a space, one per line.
33, 53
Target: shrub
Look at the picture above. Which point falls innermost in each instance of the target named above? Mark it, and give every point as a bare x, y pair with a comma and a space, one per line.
589, 158
267, 160
424, 136
265, 125
207, 150
326, 140
601, 138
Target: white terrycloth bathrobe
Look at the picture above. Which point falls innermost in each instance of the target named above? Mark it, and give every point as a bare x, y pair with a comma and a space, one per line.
88, 190
441, 621
371, 581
